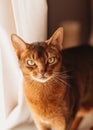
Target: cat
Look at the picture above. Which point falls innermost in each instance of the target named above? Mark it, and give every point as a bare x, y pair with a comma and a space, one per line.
58, 83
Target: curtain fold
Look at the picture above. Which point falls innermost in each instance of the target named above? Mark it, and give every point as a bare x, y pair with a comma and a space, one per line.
29, 20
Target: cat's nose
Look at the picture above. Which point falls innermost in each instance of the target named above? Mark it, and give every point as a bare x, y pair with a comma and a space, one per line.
42, 71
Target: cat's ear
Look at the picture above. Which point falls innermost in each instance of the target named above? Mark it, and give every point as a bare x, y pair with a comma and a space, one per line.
18, 44
57, 39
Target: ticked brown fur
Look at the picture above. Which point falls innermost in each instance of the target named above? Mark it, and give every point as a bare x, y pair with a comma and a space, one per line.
58, 83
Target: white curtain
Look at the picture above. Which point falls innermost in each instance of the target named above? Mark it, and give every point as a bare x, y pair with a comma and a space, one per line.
27, 18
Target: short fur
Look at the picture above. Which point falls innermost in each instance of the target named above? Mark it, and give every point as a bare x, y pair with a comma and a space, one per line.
58, 83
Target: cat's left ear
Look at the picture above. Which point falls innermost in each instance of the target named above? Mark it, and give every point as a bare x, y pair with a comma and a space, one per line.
57, 39
18, 44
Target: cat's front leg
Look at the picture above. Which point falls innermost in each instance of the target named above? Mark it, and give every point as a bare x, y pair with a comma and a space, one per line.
59, 123
41, 126
76, 123
60, 128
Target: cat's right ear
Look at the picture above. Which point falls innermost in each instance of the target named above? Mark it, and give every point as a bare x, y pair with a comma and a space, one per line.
18, 44
57, 39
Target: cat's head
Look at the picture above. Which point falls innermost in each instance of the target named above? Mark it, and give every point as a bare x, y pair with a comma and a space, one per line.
39, 61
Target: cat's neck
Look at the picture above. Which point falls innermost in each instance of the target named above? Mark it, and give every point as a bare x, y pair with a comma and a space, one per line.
35, 91
32, 84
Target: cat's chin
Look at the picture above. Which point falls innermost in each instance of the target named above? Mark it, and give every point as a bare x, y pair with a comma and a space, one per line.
43, 80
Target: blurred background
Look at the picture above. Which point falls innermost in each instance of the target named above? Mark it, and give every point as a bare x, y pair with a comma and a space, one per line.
76, 16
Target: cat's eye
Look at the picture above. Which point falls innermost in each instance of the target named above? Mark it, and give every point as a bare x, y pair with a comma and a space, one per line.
31, 62
51, 60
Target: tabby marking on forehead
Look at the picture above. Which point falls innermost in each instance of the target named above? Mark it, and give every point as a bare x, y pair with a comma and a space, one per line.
38, 50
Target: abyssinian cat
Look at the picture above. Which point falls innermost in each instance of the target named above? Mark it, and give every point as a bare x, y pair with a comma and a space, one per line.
58, 83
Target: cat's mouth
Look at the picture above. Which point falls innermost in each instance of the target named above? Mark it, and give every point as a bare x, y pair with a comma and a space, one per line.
41, 79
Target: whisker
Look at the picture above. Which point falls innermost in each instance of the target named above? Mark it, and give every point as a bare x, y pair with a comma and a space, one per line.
62, 80
56, 81
64, 71
65, 75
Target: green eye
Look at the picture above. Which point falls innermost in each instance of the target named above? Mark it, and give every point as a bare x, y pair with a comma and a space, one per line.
51, 60
31, 62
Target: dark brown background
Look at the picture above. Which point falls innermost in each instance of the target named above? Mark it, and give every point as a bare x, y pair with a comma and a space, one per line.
63, 11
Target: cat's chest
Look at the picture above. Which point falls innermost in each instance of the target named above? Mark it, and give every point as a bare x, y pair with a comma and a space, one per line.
36, 96
44, 100
42, 93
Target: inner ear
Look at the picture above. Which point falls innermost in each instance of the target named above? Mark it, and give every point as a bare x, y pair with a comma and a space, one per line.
57, 39
18, 44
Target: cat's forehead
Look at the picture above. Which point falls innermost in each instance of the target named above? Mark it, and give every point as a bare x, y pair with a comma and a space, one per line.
40, 49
